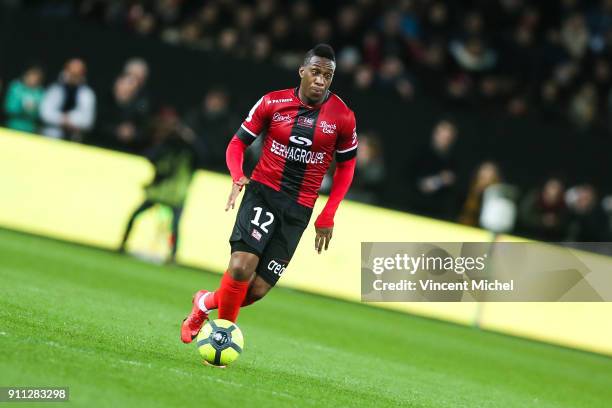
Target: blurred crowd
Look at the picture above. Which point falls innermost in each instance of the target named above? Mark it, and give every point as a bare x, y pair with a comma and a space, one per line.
552, 211
547, 58
121, 117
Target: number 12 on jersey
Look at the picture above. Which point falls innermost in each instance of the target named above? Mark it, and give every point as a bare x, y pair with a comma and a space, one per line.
255, 220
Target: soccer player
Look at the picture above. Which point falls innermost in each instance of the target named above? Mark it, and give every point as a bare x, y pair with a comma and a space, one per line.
303, 128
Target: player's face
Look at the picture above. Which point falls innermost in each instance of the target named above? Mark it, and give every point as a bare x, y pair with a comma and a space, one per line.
316, 77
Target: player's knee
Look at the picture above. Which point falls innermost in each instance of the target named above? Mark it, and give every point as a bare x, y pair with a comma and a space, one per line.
242, 267
240, 271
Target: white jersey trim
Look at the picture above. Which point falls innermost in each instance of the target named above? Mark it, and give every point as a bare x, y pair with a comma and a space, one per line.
248, 131
347, 150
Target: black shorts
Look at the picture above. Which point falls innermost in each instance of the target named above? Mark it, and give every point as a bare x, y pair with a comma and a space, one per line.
269, 224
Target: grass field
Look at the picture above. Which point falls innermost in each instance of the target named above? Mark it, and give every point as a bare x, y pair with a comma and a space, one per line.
107, 326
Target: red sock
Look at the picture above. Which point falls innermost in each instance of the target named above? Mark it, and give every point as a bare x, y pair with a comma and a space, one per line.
230, 295
211, 302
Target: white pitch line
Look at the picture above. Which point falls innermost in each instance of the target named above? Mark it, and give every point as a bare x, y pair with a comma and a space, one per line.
135, 363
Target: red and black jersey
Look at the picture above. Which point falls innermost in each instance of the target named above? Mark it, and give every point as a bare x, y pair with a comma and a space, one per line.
300, 141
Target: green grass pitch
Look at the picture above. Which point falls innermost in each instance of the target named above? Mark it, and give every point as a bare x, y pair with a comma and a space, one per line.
107, 326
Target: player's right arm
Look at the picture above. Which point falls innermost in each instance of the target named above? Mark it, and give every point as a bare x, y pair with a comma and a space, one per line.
252, 126
234, 157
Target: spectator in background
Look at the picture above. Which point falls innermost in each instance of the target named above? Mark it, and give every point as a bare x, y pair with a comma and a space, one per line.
370, 171
23, 100
367, 185
301, 15
600, 20
175, 154
348, 26
575, 35
473, 55
364, 78
393, 75
550, 100
122, 117
261, 48
138, 70
583, 106
348, 60
280, 32
588, 221
392, 34
68, 108
543, 212
213, 124
486, 175
433, 174
142, 20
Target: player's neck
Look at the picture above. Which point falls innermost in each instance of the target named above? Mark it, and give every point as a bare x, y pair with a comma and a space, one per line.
307, 101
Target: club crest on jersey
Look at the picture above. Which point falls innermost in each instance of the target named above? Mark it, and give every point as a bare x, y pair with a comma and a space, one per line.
329, 128
305, 122
278, 117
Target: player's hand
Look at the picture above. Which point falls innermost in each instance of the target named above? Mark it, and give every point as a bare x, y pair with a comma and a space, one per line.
236, 189
324, 235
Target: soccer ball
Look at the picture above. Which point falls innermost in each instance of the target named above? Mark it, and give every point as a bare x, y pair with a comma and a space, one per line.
220, 342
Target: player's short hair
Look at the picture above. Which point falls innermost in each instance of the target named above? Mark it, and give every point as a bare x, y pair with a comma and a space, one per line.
320, 50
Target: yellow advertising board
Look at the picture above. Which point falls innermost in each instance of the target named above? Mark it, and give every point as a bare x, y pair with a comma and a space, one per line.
86, 194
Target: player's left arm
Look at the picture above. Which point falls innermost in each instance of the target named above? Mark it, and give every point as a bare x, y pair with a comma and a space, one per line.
346, 152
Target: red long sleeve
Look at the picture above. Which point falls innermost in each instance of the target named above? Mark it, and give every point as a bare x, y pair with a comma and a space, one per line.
341, 183
234, 157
